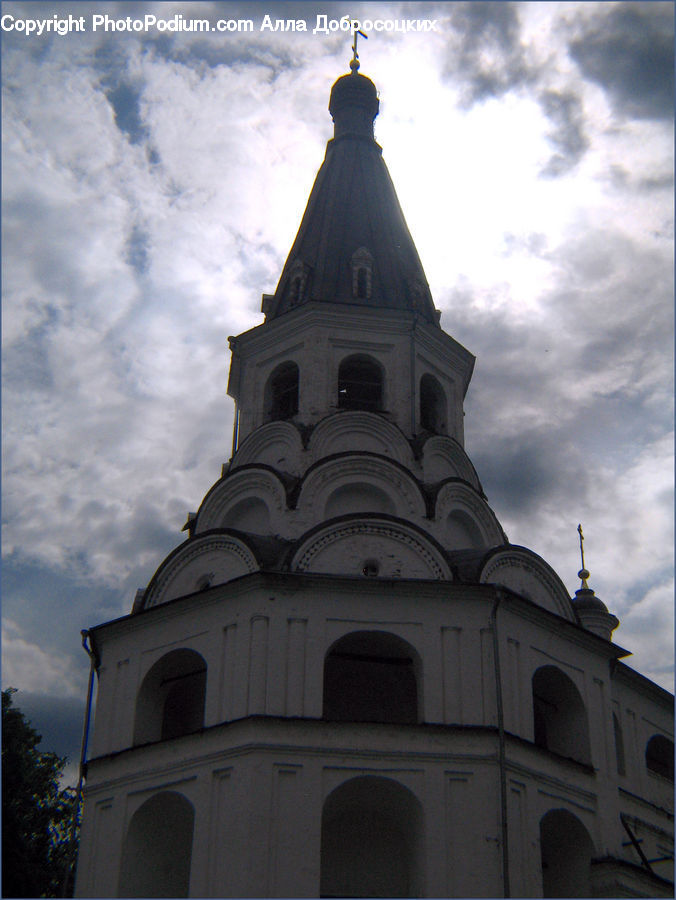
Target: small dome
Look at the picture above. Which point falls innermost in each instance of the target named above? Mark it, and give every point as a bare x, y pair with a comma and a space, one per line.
354, 104
585, 598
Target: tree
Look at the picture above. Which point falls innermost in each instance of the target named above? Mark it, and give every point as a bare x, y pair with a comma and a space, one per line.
36, 812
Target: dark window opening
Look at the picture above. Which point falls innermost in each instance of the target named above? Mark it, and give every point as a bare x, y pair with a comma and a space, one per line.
282, 393
371, 568
362, 284
566, 852
360, 384
371, 841
171, 699
659, 756
184, 704
432, 405
362, 274
157, 850
370, 677
559, 715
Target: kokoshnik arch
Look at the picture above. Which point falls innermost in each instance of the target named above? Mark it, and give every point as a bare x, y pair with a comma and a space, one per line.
346, 682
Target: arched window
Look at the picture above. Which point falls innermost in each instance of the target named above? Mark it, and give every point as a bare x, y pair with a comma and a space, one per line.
619, 745
170, 702
362, 274
362, 283
566, 852
371, 840
360, 384
297, 281
659, 756
281, 393
432, 405
371, 676
157, 850
559, 715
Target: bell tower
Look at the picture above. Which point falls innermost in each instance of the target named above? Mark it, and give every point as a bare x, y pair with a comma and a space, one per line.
346, 682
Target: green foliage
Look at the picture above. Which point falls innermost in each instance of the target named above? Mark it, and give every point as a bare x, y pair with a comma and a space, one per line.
36, 812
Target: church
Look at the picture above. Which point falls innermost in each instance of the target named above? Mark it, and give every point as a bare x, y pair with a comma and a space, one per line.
346, 681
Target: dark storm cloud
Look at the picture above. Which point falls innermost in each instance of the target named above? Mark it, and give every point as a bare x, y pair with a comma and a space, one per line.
490, 59
564, 110
71, 600
577, 385
137, 250
525, 472
125, 100
57, 719
628, 49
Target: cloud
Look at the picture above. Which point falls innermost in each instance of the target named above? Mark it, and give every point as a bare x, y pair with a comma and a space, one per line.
487, 56
153, 186
628, 49
124, 98
564, 109
28, 666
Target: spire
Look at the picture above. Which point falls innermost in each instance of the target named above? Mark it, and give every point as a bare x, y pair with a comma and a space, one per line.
583, 574
353, 245
591, 610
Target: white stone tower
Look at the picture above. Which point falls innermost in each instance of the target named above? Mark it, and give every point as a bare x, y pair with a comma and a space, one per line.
346, 682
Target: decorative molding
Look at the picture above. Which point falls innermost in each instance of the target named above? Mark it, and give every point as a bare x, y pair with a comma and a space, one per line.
222, 544
332, 534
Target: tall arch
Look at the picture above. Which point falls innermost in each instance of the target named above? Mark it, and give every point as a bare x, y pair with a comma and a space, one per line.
559, 716
659, 756
372, 676
371, 841
281, 392
360, 383
566, 853
619, 746
170, 701
157, 850
433, 406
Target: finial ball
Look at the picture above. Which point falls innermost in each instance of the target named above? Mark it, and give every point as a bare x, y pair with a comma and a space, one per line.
583, 574
354, 64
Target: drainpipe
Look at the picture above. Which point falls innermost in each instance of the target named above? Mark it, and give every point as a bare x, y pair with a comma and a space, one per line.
235, 429
412, 365
501, 746
93, 666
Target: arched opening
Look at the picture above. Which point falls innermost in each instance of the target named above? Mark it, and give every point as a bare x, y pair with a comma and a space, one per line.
463, 532
371, 842
362, 283
619, 746
659, 756
250, 514
281, 393
157, 849
559, 715
357, 498
360, 384
171, 699
432, 405
371, 676
566, 851
296, 283
362, 274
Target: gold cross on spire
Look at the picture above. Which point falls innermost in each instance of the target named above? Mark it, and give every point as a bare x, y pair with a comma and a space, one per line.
354, 62
583, 574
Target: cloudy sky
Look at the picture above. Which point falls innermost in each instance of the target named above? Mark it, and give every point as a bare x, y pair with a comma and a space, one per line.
152, 187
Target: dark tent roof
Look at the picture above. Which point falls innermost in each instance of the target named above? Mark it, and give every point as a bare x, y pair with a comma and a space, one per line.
353, 221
